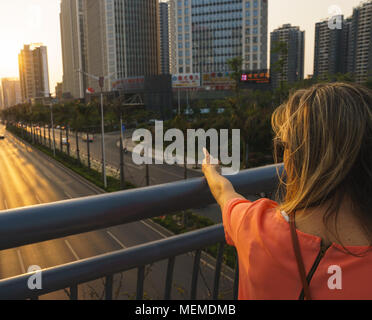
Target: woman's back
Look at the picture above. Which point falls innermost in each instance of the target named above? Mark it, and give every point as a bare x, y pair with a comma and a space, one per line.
267, 264
349, 230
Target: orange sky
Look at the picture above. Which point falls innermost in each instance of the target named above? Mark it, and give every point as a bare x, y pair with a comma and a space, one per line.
26, 21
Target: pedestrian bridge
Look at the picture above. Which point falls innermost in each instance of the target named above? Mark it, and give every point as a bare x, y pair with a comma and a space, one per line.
19, 227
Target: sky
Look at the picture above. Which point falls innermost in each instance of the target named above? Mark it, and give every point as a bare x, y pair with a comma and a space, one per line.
37, 21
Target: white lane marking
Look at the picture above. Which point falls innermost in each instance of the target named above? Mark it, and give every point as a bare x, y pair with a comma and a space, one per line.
21, 261
6, 205
153, 229
202, 260
116, 239
72, 250
38, 199
67, 194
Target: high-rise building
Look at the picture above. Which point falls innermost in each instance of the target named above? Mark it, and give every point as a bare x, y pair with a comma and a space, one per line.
331, 47
33, 72
206, 34
59, 91
360, 42
287, 55
10, 92
116, 38
164, 37
73, 47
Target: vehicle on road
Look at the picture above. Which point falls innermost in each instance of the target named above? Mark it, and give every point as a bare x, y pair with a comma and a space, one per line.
65, 142
86, 137
2, 137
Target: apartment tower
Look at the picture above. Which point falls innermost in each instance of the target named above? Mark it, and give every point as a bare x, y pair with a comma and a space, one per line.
287, 55
33, 72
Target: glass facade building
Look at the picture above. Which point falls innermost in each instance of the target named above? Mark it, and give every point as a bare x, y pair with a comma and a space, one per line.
119, 38
207, 33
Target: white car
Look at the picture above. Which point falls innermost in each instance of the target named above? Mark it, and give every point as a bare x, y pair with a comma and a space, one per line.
86, 137
65, 142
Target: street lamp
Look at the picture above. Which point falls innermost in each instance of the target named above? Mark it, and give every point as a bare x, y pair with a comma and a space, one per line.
101, 83
51, 121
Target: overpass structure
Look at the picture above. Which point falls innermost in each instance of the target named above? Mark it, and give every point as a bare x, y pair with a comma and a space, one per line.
35, 224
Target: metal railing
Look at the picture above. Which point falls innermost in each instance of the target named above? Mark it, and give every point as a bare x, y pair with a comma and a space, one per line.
35, 224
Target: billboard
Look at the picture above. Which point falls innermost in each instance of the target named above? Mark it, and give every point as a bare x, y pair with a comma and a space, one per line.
127, 84
190, 80
261, 76
217, 79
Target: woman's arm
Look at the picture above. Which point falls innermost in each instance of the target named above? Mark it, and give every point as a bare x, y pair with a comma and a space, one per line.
221, 188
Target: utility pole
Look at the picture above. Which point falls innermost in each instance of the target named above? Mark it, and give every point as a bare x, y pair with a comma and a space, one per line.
101, 82
53, 133
122, 173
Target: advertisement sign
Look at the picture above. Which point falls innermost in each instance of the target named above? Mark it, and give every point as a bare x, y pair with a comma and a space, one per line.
218, 81
262, 76
191, 80
127, 84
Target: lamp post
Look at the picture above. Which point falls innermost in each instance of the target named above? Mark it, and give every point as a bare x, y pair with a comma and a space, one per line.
101, 82
51, 121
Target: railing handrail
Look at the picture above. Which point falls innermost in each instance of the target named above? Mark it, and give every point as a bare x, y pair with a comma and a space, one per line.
39, 223
73, 273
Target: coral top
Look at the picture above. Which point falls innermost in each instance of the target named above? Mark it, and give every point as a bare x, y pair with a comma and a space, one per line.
267, 263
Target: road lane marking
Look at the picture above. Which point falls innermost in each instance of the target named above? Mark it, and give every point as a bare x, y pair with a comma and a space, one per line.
153, 229
21, 262
72, 250
116, 239
6, 205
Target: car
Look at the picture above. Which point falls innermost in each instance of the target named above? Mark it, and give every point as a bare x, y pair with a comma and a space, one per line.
65, 142
2, 137
86, 137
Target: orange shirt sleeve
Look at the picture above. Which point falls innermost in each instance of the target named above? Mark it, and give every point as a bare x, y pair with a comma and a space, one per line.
232, 217
238, 212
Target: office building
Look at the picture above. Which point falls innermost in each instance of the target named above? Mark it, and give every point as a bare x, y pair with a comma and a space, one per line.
360, 43
33, 72
113, 38
206, 34
73, 48
10, 92
59, 91
287, 55
164, 38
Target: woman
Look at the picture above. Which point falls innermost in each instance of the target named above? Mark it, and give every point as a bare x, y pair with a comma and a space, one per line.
316, 243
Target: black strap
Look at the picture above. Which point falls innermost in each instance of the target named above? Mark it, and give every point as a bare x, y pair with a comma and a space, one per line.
299, 260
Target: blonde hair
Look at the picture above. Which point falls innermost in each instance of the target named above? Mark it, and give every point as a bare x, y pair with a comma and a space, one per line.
326, 132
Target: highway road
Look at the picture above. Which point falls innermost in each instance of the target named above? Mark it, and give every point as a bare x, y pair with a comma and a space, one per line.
28, 177
135, 174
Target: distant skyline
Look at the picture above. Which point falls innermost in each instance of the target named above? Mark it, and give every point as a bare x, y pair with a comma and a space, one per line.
37, 21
